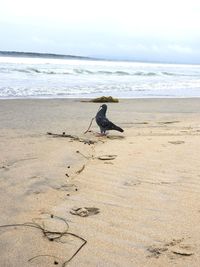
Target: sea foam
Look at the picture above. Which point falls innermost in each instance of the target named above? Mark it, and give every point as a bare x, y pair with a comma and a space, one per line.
43, 77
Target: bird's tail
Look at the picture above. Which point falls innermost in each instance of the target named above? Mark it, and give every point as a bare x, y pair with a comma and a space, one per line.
117, 128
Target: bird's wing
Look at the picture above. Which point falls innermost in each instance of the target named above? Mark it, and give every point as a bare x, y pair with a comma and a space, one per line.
108, 125
103, 122
111, 125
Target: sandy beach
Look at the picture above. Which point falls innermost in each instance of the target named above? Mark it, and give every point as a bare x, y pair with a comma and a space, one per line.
146, 196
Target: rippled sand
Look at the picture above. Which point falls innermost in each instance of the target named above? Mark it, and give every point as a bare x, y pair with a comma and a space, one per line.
148, 195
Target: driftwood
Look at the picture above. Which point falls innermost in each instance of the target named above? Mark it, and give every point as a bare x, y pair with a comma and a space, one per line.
176, 142
107, 157
79, 171
87, 157
168, 122
89, 126
101, 157
182, 252
73, 137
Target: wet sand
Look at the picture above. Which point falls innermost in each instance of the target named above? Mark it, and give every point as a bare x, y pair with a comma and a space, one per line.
148, 195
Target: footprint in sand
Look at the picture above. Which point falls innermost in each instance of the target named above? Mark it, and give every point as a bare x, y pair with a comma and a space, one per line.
170, 249
132, 182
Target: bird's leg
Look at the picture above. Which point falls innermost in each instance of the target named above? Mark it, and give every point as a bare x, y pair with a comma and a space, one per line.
102, 133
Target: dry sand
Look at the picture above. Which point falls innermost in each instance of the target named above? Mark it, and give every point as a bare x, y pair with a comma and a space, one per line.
148, 196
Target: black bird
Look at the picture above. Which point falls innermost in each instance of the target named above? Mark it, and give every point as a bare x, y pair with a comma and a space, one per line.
104, 123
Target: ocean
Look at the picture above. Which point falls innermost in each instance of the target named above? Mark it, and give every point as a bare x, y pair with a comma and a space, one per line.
39, 77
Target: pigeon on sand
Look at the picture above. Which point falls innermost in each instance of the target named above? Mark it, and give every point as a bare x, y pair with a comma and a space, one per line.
103, 123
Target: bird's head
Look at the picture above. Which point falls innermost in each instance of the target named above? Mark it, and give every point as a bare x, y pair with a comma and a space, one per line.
102, 110
104, 106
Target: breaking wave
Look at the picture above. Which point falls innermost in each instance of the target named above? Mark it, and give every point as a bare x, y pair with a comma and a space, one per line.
24, 77
89, 72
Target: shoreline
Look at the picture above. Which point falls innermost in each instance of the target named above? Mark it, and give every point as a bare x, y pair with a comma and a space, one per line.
147, 196
88, 98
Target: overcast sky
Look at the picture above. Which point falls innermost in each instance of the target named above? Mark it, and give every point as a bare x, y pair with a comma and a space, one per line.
153, 30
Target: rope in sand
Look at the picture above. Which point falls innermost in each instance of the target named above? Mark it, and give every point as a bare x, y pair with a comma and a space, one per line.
51, 236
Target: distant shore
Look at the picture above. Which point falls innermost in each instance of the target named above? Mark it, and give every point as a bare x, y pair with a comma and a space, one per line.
63, 56
40, 55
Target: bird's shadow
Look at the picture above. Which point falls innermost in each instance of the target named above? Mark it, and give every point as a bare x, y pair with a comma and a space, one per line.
115, 137
112, 137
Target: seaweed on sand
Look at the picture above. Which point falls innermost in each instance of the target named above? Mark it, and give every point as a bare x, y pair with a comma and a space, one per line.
105, 99
73, 137
51, 236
